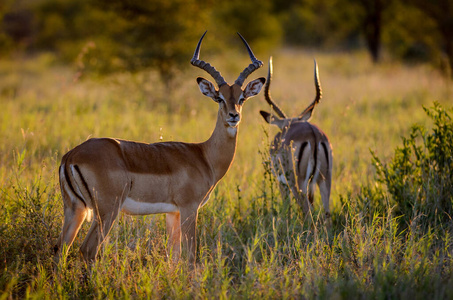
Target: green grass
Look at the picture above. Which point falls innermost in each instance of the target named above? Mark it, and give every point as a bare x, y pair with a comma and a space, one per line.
250, 244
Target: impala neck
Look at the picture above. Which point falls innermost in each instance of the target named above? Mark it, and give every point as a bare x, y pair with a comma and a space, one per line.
220, 147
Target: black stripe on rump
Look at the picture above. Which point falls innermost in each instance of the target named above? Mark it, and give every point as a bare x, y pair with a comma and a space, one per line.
85, 185
315, 154
71, 187
301, 152
326, 153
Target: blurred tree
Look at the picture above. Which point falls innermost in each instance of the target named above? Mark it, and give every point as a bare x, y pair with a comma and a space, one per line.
110, 35
16, 26
157, 33
327, 23
253, 19
407, 37
441, 13
107, 36
372, 22
66, 24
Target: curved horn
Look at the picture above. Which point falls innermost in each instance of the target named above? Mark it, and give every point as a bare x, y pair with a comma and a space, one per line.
256, 64
267, 92
206, 66
318, 97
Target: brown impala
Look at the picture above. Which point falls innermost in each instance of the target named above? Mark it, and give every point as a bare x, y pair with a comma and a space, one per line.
301, 152
106, 176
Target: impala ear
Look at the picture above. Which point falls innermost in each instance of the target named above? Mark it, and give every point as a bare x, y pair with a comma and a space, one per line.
254, 87
208, 89
274, 120
307, 113
266, 116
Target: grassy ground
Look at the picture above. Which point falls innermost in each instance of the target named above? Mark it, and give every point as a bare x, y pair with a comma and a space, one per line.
250, 244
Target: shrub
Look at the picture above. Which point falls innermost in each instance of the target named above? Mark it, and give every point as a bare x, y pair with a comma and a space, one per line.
419, 178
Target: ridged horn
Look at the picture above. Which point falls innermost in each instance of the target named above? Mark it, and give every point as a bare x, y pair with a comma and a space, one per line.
267, 92
318, 93
206, 66
256, 64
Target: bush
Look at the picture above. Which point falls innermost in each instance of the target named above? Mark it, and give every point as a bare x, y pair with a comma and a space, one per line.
419, 178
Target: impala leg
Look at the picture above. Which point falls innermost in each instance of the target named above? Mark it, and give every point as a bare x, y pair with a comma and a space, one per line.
303, 170
75, 213
302, 195
324, 188
99, 230
286, 197
279, 173
173, 221
325, 178
311, 192
188, 233
301, 189
285, 192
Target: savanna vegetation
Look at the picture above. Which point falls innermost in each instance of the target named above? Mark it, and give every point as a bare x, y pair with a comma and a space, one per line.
391, 233
71, 70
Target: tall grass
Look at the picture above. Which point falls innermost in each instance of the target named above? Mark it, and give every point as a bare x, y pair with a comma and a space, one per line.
250, 243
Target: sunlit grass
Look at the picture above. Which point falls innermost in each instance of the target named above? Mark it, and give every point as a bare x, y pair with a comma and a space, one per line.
250, 244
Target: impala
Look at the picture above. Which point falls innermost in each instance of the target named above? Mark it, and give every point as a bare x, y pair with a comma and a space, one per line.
301, 153
105, 176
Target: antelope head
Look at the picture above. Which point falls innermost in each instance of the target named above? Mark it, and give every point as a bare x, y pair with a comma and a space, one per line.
281, 120
230, 97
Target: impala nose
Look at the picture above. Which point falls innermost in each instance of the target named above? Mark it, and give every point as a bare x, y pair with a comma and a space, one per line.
233, 119
234, 116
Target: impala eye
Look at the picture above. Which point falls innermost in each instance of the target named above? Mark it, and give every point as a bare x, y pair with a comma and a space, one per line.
241, 100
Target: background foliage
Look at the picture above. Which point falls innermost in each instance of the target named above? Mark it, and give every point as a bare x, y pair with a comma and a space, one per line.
117, 35
70, 70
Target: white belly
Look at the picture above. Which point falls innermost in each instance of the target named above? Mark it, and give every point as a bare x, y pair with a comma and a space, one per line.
133, 207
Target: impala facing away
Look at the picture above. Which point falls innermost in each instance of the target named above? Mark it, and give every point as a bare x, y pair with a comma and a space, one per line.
301, 153
106, 176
